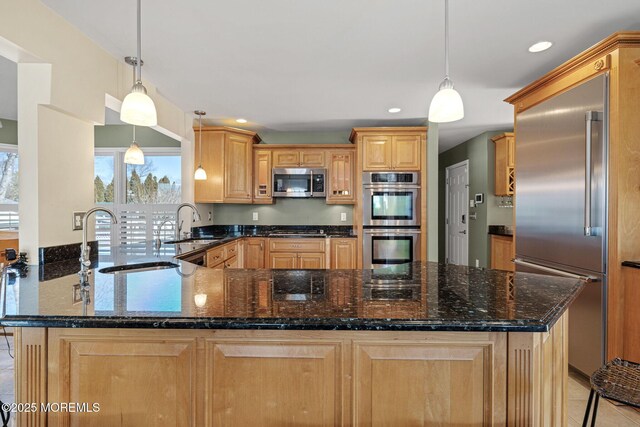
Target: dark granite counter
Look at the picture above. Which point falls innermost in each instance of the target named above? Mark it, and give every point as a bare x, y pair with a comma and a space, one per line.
418, 296
501, 230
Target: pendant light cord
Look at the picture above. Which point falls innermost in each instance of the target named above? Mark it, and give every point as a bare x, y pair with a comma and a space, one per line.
139, 41
446, 39
200, 140
134, 134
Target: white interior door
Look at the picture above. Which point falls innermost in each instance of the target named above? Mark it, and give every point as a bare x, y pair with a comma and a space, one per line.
457, 217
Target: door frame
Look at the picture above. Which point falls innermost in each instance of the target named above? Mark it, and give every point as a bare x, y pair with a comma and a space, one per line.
446, 208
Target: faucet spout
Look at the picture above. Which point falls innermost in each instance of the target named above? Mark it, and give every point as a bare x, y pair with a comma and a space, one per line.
85, 260
196, 216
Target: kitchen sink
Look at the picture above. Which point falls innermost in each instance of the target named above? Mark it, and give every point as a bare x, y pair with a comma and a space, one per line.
135, 268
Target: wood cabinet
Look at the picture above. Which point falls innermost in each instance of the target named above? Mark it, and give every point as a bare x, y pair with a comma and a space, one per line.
631, 317
254, 252
505, 178
311, 158
502, 252
286, 378
343, 253
341, 177
227, 157
262, 177
391, 152
225, 256
297, 253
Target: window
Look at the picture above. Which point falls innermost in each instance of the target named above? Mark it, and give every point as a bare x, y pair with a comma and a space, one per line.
143, 197
9, 187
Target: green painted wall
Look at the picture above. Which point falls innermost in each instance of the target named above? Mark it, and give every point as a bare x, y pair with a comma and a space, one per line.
121, 136
290, 211
480, 151
9, 132
284, 212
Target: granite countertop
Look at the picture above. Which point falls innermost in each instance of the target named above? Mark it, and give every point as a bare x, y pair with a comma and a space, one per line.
417, 296
501, 230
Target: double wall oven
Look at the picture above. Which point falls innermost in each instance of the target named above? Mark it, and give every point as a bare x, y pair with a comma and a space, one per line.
391, 218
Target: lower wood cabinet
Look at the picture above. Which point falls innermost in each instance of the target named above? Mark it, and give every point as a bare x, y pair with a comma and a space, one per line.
631, 316
254, 251
343, 253
297, 253
226, 256
502, 252
153, 377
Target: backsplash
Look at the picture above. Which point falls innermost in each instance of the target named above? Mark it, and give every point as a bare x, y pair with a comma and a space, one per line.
65, 252
283, 212
265, 230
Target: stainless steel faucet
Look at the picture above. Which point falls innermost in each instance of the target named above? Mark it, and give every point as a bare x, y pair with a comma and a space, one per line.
157, 240
85, 250
179, 223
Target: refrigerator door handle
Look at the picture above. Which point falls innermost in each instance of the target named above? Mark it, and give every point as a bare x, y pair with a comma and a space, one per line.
590, 117
562, 273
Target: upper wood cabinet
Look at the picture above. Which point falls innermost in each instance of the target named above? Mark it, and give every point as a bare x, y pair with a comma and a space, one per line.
390, 148
311, 158
227, 157
262, 177
341, 179
505, 179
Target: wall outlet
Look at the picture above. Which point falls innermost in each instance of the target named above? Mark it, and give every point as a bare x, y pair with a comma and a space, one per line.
477, 263
255, 216
343, 216
472, 203
210, 216
77, 220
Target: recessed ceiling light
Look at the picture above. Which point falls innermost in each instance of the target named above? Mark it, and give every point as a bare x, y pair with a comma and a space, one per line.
241, 120
540, 46
394, 110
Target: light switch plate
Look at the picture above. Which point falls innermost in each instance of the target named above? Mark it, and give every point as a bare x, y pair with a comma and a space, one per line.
343, 216
77, 220
472, 203
255, 216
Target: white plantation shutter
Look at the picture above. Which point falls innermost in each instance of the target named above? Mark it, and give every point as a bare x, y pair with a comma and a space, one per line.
9, 217
136, 224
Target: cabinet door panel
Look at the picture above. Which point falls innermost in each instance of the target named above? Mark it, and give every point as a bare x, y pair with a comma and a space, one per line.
343, 253
311, 260
209, 190
146, 383
286, 159
283, 260
424, 384
406, 152
502, 252
274, 384
341, 180
238, 171
377, 152
312, 158
254, 253
262, 177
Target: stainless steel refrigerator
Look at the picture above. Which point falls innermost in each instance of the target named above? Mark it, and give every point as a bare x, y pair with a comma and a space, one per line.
561, 205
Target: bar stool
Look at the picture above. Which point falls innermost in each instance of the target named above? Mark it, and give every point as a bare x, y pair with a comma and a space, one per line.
4, 416
618, 380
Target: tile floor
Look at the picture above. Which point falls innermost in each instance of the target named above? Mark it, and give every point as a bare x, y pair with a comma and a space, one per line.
608, 413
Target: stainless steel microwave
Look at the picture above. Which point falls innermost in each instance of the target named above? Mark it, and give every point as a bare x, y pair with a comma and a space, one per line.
299, 182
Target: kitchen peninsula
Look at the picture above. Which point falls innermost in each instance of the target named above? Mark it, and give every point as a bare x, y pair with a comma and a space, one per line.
195, 346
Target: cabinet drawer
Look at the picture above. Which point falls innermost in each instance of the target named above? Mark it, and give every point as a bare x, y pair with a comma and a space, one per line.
296, 245
230, 249
215, 256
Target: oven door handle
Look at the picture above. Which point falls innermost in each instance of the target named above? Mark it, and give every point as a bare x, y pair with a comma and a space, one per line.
391, 231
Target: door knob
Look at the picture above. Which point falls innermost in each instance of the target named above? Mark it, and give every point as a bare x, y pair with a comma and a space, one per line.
463, 232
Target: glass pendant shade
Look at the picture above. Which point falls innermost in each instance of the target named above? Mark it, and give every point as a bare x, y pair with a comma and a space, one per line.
200, 174
134, 155
446, 106
138, 108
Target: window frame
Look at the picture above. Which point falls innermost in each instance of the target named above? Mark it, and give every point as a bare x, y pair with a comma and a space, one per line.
11, 207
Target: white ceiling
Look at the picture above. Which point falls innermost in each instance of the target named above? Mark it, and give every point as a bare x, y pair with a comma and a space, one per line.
333, 64
8, 89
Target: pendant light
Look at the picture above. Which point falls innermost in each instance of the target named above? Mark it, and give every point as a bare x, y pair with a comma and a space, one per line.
446, 105
138, 108
134, 155
200, 174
